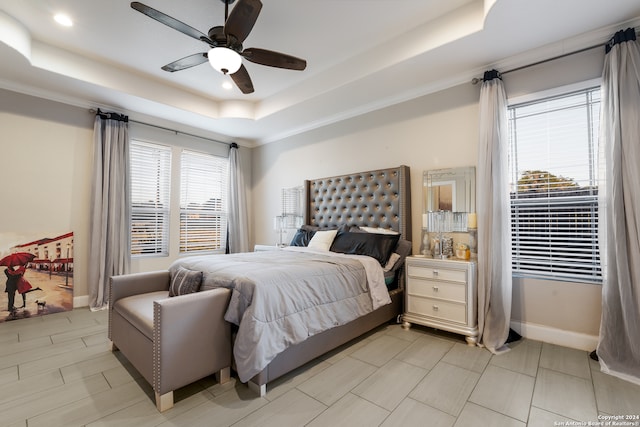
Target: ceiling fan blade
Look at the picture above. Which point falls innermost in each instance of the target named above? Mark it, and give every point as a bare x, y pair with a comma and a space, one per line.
242, 80
186, 62
242, 18
170, 22
274, 59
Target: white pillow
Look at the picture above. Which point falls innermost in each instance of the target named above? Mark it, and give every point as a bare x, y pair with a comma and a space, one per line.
322, 240
393, 258
378, 230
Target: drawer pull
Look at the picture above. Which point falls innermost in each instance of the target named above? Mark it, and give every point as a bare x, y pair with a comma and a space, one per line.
436, 289
435, 272
435, 308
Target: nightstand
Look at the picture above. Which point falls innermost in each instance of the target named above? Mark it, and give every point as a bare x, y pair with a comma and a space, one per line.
442, 294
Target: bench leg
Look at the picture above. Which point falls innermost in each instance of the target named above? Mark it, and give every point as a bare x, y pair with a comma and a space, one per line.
164, 401
224, 375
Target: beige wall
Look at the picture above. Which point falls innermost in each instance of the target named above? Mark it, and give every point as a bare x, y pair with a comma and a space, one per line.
427, 133
45, 169
435, 131
562, 305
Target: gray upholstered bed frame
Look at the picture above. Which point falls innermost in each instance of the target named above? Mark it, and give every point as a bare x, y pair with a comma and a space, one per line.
380, 198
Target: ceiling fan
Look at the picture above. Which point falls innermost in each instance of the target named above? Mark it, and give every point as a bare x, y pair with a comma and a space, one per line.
225, 42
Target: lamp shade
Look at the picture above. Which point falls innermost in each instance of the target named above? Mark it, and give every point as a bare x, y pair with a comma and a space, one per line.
224, 60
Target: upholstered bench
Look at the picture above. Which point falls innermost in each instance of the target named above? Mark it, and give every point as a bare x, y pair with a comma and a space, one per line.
171, 341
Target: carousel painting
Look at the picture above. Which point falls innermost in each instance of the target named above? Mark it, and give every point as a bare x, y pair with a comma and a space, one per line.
37, 270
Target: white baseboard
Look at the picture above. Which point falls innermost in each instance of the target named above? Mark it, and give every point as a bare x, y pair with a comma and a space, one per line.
81, 301
555, 336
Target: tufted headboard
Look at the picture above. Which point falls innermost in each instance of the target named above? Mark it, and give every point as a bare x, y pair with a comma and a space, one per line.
380, 198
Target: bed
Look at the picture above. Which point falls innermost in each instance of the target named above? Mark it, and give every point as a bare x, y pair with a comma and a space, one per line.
374, 203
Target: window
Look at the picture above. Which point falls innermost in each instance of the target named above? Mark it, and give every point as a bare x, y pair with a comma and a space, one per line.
203, 202
554, 193
150, 182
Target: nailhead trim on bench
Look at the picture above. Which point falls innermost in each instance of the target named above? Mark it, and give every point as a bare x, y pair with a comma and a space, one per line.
156, 347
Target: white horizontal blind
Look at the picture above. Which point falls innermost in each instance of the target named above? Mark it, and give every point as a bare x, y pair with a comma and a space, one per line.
203, 202
292, 208
554, 193
150, 187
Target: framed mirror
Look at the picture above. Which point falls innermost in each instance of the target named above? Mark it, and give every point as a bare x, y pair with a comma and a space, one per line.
452, 190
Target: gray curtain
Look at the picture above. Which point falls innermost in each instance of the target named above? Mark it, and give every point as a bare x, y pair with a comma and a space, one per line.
619, 342
238, 229
494, 218
109, 249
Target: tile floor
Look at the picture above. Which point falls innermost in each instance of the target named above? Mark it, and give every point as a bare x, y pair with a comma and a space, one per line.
58, 370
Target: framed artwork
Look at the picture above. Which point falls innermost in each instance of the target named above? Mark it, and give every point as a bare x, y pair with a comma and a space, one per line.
37, 274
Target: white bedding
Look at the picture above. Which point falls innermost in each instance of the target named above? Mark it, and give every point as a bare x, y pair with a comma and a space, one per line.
375, 274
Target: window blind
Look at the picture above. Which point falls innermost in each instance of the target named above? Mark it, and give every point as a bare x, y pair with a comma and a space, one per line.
553, 186
150, 167
203, 202
292, 215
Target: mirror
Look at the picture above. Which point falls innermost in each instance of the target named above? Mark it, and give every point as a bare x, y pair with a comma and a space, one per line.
452, 190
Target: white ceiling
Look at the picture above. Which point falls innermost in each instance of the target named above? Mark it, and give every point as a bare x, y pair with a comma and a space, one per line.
362, 55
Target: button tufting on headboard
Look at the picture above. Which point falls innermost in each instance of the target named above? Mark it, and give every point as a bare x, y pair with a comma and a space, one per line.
374, 198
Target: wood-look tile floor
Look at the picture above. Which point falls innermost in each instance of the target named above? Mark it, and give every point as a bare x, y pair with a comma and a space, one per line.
58, 370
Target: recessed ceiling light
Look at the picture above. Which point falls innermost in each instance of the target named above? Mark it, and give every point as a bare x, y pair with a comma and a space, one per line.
63, 20
227, 85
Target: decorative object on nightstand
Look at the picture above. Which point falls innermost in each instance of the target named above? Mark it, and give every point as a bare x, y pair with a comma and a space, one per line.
473, 235
442, 294
291, 217
463, 252
442, 222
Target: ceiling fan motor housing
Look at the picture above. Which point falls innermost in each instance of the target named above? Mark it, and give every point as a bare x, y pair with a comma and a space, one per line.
219, 39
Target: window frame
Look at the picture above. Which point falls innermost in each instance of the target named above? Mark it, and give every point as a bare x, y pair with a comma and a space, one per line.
552, 203
162, 248
218, 212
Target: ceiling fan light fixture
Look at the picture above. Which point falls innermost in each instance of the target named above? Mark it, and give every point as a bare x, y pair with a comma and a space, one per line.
224, 60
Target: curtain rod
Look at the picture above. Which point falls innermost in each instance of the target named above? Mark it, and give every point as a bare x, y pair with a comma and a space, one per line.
94, 111
477, 80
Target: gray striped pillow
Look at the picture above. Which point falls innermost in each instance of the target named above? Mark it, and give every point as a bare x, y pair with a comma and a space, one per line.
185, 282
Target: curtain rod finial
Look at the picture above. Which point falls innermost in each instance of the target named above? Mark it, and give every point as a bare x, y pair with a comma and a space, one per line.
475, 81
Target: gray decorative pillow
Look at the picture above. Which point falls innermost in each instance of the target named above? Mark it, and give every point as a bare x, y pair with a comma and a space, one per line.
184, 282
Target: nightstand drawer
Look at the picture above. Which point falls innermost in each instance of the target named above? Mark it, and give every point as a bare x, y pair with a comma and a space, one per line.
437, 273
436, 289
439, 309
